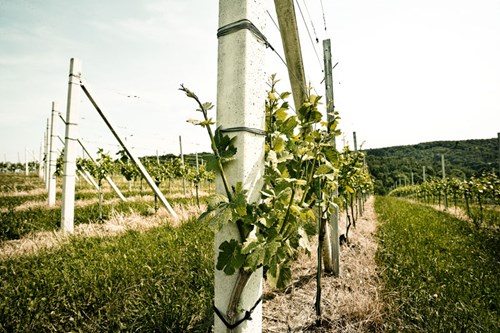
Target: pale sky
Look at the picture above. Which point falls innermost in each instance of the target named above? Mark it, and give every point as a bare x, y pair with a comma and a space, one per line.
408, 72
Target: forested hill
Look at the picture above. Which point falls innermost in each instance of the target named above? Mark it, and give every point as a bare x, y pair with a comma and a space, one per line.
392, 165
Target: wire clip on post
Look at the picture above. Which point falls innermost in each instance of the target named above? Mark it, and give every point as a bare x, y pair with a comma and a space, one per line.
248, 315
243, 24
244, 129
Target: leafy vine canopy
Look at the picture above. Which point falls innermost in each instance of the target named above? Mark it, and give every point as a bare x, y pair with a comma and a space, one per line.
301, 173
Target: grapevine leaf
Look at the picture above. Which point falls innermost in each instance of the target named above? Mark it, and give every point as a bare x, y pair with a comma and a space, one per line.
215, 200
225, 145
289, 126
281, 114
323, 169
239, 201
230, 257
285, 95
281, 277
212, 163
217, 217
279, 144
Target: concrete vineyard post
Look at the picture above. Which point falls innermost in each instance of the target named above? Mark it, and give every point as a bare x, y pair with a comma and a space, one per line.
52, 157
498, 145
46, 157
40, 161
70, 147
241, 92
423, 173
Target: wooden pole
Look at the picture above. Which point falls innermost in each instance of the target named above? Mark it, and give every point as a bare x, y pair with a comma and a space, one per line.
355, 142
69, 171
498, 145
331, 253
134, 159
52, 157
287, 22
241, 93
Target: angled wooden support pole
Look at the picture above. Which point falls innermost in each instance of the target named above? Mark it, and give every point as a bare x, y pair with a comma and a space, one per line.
136, 160
287, 21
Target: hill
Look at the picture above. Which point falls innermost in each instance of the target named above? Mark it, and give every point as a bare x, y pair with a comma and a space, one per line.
397, 165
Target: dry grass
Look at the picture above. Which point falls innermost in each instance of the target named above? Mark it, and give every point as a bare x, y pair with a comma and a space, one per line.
350, 303
34, 192
31, 244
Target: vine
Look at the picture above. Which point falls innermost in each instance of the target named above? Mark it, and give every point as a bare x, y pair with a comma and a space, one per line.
301, 167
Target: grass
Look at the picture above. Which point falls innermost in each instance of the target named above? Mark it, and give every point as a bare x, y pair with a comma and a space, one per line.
16, 224
18, 182
440, 273
159, 280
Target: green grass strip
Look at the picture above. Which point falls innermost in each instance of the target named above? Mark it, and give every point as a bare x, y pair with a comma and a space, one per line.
440, 273
157, 281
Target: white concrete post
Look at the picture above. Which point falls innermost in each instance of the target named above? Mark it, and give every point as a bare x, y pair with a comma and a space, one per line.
241, 93
52, 157
70, 147
40, 161
46, 156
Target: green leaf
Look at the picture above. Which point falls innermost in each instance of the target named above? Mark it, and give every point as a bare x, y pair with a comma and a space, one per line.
225, 145
281, 277
239, 201
285, 95
212, 163
215, 200
217, 217
279, 144
289, 126
230, 257
323, 169
281, 114
222, 216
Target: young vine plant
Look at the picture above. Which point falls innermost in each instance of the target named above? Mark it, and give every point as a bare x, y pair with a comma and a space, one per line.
301, 170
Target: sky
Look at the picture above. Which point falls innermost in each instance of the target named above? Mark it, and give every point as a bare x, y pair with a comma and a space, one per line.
408, 71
